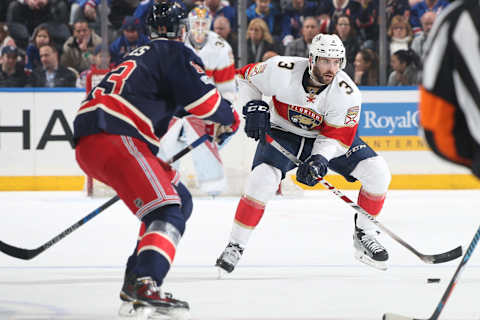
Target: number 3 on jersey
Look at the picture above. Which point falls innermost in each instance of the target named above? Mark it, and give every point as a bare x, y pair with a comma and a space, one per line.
117, 77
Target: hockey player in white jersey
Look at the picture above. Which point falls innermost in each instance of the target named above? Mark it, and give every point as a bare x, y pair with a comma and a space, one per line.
313, 112
217, 57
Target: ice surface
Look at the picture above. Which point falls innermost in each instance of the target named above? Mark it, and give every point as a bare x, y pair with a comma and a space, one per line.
298, 265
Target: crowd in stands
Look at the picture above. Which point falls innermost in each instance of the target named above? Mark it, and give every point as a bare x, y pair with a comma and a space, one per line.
55, 43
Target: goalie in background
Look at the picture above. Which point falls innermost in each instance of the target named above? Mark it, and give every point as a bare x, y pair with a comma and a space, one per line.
217, 57
314, 114
117, 133
450, 92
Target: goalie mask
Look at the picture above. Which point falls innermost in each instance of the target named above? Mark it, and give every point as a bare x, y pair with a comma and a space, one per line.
199, 22
325, 46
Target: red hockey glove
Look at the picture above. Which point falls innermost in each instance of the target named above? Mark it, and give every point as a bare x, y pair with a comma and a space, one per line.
221, 133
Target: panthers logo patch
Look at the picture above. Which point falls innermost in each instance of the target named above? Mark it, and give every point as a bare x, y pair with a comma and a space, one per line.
304, 118
351, 118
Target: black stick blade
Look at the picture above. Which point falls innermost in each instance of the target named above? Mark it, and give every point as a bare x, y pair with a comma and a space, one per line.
448, 256
19, 253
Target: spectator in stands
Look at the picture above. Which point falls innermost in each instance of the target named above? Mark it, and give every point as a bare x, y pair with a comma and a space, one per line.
12, 72
346, 32
40, 37
418, 43
132, 37
3, 9
366, 68
272, 16
366, 21
89, 10
220, 8
400, 34
296, 12
299, 47
336, 8
397, 8
423, 6
100, 67
5, 39
24, 16
119, 9
406, 68
78, 49
222, 27
51, 74
259, 40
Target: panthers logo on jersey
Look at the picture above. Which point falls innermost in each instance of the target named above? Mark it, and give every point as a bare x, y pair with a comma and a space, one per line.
304, 118
352, 116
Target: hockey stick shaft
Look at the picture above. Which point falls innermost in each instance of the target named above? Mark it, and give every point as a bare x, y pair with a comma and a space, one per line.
451, 285
456, 275
27, 254
438, 258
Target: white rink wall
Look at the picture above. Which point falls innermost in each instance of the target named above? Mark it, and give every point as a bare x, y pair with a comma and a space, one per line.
36, 153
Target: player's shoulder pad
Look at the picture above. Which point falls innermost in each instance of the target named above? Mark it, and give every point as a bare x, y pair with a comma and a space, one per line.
345, 90
217, 42
176, 52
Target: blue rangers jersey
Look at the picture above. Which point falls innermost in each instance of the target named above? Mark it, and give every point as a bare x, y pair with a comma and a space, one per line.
139, 97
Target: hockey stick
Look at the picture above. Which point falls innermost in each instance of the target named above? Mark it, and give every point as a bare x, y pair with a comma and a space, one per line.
434, 258
451, 285
27, 254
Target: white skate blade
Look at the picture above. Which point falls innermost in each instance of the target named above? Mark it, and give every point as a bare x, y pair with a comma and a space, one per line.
363, 258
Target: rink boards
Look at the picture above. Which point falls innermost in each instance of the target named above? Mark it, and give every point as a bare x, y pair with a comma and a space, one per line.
36, 151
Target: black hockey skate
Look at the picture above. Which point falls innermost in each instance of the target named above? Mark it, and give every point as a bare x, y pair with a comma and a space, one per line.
368, 250
143, 299
229, 257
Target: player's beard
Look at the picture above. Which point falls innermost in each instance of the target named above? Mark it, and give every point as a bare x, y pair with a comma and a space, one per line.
324, 78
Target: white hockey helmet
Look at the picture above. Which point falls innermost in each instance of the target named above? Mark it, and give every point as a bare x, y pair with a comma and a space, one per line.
326, 46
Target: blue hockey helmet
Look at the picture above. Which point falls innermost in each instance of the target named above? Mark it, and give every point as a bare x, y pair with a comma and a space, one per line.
166, 19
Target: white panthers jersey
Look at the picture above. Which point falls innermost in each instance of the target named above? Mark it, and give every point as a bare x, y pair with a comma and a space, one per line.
217, 56
331, 116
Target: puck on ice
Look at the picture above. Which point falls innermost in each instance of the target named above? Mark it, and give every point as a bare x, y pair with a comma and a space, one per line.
433, 280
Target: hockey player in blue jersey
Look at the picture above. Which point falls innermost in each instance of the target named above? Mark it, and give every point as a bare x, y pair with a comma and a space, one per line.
117, 131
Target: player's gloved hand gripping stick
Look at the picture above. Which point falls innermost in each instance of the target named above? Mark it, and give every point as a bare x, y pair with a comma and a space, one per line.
27, 254
427, 258
257, 119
